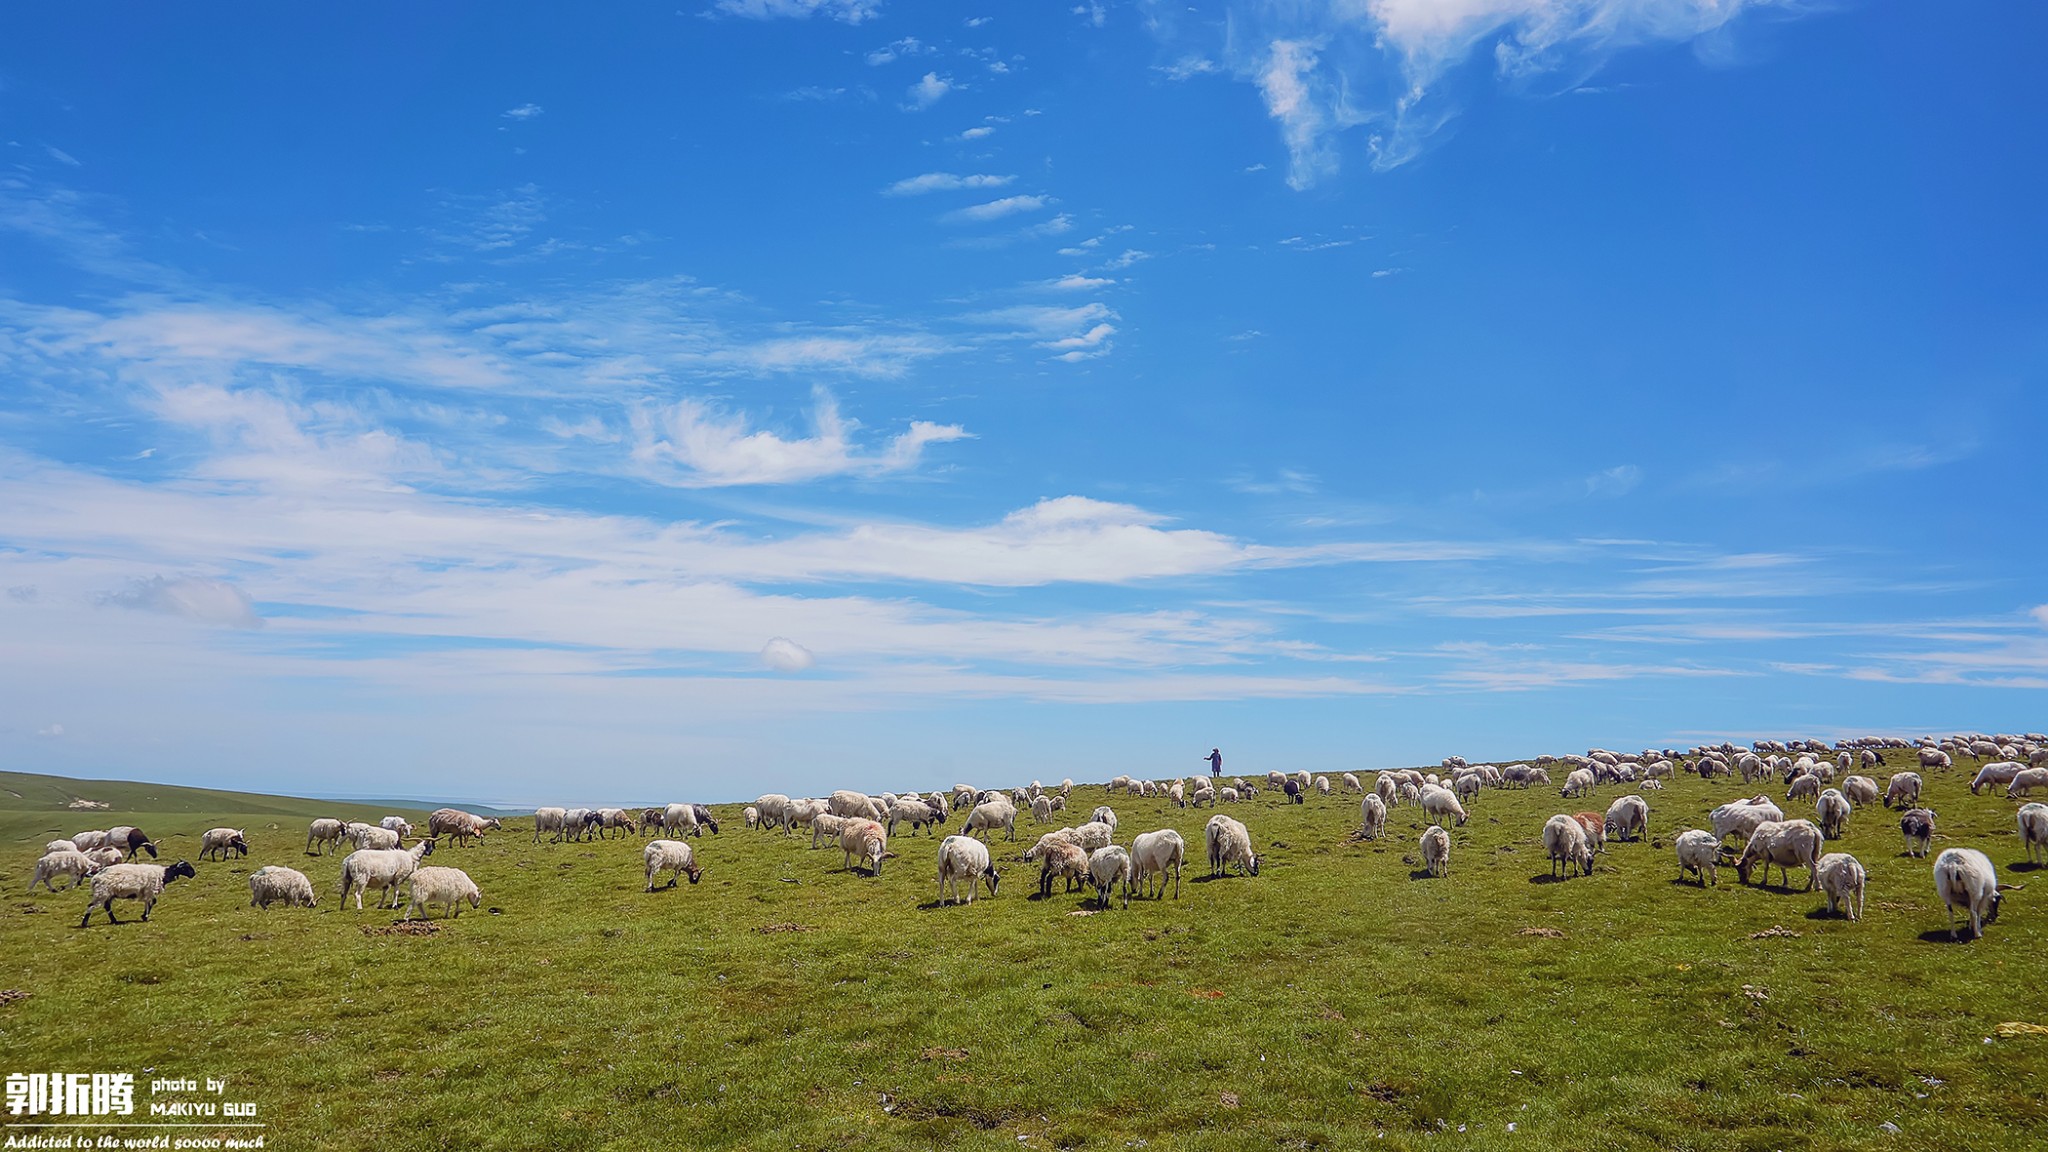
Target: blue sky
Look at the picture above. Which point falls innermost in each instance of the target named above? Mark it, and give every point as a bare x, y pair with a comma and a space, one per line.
647, 403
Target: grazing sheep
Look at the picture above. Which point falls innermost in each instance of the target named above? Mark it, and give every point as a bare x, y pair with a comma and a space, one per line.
1373, 812
1595, 826
1387, 789
672, 856
1902, 790
1103, 815
131, 840
219, 842
846, 802
551, 820
383, 869
1229, 842
1841, 879
1861, 791
1917, 824
1041, 807
2033, 820
460, 825
577, 823
144, 882
751, 815
1059, 857
1436, 850
675, 819
772, 811
72, 863
1106, 868
1092, 835
1996, 772
1832, 809
1804, 787
1351, 783
1935, 758
1293, 788
323, 833
398, 824
1699, 852
1227, 795
922, 815
990, 815
868, 842
1204, 794
1580, 782
377, 838
87, 841
271, 884
1467, 786
804, 813
2025, 781
1152, 853
963, 860
1629, 818
1740, 817
104, 857
1963, 878
60, 846
827, 827
1783, 843
1439, 802
447, 887
1322, 785
610, 820
1566, 845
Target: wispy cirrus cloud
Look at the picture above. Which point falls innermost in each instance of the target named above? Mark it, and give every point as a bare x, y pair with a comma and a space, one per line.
844, 11
691, 444
996, 209
944, 182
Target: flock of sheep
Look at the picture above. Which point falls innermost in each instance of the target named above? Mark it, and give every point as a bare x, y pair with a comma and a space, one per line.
1086, 855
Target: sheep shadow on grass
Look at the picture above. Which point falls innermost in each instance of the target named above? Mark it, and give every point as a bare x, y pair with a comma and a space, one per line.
1941, 936
2025, 866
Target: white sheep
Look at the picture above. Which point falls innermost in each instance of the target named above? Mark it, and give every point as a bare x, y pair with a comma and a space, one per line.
1351, 783
964, 860
398, 824
868, 842
1699, 852
87, 841
63, 862
680, 819
1229, 842
218, 842
1996, 772
1580, 782
1372, 812
1832, 810
462, 825
1439, 802
60, 846
554, 821
772, 811
751, 815
447, 887
2033, 819
1152, 853
1965, 878
1783, 843
1104, 815
1740, 817
846, 802
2025, 781
1861, 791
144, 882
1805, 786
1628, 818
1436, 850
1902, 790
1058, 856
323, 833
272, 884
382, 869
105, 856
673, 857
380, 839
1566, 846
1842, 879
1107, 867
1041, 807
1092, 835
990, 815
1322, 785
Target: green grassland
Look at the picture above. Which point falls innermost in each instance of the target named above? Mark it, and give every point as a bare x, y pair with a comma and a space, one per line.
1340, 999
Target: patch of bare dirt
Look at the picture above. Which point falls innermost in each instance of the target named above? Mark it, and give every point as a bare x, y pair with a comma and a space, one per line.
403, 928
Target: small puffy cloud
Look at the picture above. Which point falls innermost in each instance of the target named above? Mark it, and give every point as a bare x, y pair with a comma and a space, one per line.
53, 732
523, 112
208, 601
1130, 256
1187, 67
1079, 283
981, 133
908, 46
844, 11
996, 209
927, 91
978, 21
1615, 481
943, 182
689, 444
785, 655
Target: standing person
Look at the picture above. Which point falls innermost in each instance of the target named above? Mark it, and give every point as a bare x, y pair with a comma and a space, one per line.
1215, 759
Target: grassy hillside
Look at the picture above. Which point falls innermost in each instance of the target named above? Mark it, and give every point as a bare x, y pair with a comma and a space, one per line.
1336, 1000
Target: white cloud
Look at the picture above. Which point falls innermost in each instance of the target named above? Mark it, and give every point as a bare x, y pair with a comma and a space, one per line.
53, 732
1305, 119
978, 21
1187, 67
908, 46
845, 11
1129, 257
1079, 283
996, 209
62, 157
927, 91
195, 598
523, 112
1616, 481
691, 445
1092, 12
943, 182
785, 655
980, 133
